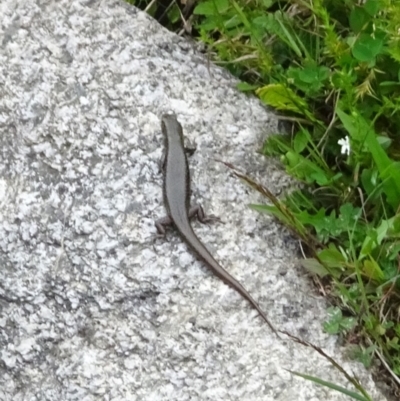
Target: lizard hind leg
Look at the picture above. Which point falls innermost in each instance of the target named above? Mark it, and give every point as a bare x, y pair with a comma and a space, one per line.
197, 210
161, 224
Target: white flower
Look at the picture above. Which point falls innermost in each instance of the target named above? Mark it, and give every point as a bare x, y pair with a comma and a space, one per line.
345, 144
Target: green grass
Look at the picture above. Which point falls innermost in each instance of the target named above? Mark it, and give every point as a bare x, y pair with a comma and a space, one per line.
332, 68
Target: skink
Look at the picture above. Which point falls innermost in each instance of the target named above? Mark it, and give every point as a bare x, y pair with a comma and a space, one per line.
176, 189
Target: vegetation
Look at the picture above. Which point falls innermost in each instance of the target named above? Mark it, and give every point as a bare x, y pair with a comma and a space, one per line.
331, 68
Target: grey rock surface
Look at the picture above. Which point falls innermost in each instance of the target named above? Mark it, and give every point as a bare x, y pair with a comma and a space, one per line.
91, 306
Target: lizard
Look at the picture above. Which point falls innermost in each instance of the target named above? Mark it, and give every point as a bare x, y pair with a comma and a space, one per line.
176, 193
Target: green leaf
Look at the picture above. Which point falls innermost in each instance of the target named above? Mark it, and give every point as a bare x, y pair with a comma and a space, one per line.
211, 7
344, 80
262, 22
267, 3
331, 257
313, 73
241, 14
282, 98
358, 19
331, 327
365, 356
389, 171
232, 22
373, 270
394, 252
309, 79
369, 244
306, 169
366, 47
348, 323
394, 229
313, 266
246, 87
352, 125
332, 386
372, 7
384, 141
337, 323
209, 24
286, 32
174, 14
260, 27
369, 180
349, 215
301, 140
375, 237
